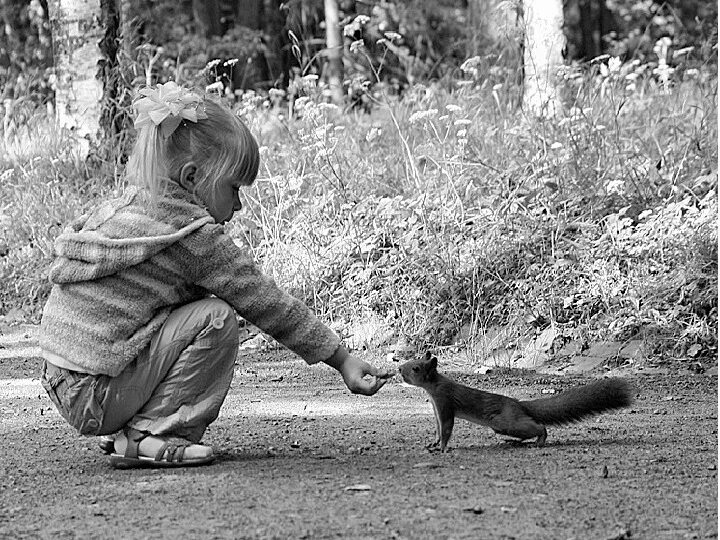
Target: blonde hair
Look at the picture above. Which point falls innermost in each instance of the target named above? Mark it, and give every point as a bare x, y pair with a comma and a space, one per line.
220, 145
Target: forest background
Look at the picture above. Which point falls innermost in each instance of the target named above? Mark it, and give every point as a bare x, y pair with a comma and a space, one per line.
426, 208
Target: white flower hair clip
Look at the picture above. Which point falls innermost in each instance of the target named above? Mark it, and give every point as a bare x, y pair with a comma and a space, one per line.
166, 105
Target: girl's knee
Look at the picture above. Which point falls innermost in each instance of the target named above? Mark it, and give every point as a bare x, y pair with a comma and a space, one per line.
222, 317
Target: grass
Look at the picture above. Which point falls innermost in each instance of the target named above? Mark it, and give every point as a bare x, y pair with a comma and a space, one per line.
447, 216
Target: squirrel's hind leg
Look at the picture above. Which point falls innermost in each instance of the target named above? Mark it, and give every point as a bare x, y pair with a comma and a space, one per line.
523, 428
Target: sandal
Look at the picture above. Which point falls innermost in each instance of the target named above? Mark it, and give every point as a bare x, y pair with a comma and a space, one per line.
170, 454
107, 444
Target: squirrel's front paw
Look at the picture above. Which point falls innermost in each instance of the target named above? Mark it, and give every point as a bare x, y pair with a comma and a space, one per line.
433, 446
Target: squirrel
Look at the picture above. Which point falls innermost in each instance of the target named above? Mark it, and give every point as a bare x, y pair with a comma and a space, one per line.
505, 415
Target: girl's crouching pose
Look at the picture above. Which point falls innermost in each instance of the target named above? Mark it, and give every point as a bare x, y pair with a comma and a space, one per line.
139, 333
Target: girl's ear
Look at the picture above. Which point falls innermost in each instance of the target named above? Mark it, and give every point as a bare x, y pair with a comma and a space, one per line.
187, 176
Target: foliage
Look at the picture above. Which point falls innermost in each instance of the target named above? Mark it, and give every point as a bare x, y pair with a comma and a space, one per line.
447, 214
437, 210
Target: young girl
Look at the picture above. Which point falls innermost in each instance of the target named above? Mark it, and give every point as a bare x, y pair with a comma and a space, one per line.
139, 333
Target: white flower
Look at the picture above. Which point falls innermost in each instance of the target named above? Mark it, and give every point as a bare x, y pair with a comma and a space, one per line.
356, 46
462, 122
614, 64
453, 108
214, 87
616, 187
422, 115
556, 146
393, 36
471, 65
373, 134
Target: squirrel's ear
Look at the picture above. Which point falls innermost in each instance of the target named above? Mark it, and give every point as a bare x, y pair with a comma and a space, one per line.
433, 362
428, 355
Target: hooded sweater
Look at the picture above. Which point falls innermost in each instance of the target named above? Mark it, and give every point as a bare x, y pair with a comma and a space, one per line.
120, 270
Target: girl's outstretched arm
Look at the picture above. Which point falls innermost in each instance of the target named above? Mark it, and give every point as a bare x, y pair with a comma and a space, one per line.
359, 376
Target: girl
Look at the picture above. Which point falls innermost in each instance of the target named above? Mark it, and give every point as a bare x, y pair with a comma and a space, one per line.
133, 341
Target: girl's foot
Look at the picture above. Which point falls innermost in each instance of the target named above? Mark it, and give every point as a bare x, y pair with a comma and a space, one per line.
135, 448
107, 444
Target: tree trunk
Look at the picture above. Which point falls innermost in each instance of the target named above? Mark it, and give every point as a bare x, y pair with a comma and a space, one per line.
207, 15
544, 42
493, 28
334, 41
77, 30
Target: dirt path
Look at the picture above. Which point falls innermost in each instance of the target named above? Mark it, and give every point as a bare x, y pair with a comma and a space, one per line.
302, 458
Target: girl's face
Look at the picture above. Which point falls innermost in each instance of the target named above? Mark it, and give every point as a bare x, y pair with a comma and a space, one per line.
222, 200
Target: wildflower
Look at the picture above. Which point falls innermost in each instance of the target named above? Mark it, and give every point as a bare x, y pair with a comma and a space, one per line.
615, 187
373, 134
453, 108
214, 87
356, 46
614, 64
351, 29
497, 87
231, 62
328, 107
294, 182
310, 80
470, 66
422, 115
462, 122
661, 48
462, 133
301, 102
276, 93
556, 146
212, 63
393, 36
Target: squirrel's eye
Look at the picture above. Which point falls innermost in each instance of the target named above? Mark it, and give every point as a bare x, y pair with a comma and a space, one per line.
416, 368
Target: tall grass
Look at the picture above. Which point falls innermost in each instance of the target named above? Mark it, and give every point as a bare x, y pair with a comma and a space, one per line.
448, 217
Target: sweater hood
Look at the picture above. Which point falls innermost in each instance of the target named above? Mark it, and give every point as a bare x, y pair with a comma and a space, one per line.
122, 233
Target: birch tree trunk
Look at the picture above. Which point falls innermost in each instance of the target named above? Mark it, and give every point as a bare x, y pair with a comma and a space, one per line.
334, 41
77, 30
544, 42
494, 28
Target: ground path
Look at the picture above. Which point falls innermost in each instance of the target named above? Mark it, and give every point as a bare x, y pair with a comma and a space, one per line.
302, 458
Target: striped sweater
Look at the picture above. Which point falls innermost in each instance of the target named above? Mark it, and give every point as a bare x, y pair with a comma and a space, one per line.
121, 270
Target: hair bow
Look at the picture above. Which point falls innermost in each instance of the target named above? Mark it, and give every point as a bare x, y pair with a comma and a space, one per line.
166, 106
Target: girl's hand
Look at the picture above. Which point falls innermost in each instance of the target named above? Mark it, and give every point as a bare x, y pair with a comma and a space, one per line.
359, 376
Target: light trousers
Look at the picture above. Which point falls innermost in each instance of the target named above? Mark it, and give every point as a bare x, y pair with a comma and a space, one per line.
176, 386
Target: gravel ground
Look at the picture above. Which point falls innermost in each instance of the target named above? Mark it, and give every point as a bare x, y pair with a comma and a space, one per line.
300, 457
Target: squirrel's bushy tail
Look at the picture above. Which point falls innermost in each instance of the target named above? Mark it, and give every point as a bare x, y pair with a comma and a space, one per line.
581, 401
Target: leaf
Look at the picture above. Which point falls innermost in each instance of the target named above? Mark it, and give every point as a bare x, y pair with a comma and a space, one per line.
545, 340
